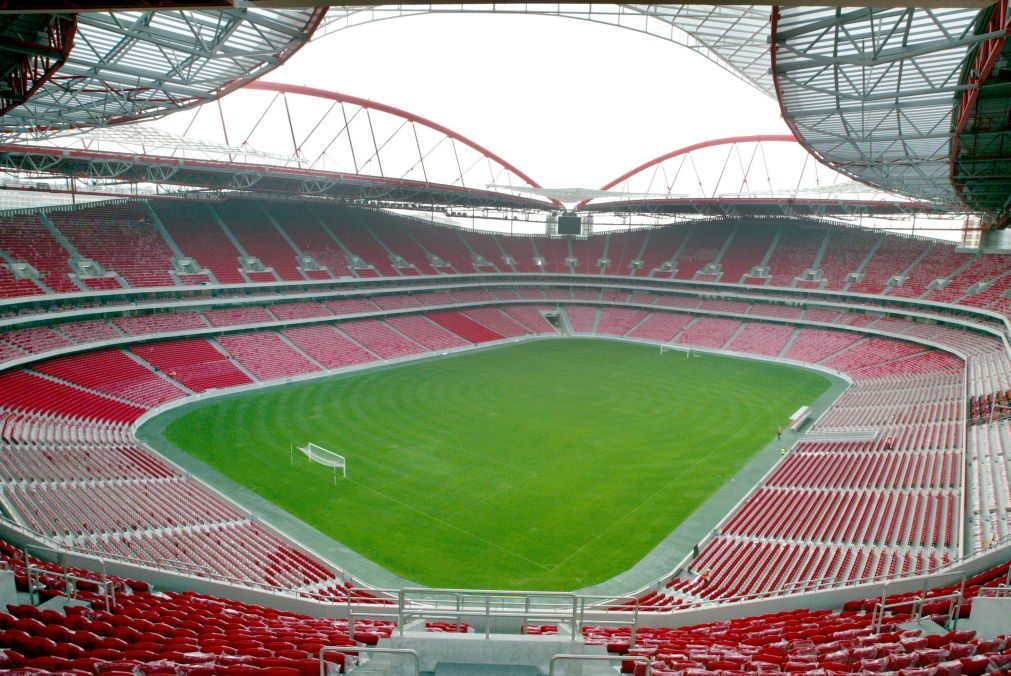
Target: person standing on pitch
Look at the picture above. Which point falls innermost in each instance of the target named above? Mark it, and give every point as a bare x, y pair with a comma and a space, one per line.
779, 433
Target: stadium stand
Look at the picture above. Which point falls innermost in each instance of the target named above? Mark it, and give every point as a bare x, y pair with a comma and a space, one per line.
311, 238
833, 513
141, 257
154, 632
195, 364
465, 327
162, 632
709, 332
266, 355
255, 233
429, 331
199, 236
25, 239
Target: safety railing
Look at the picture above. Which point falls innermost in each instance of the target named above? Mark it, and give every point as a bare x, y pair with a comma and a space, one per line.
554, 669
631, 605
353, 651
71, 584
799, 585
915, 609
1000, 592
460, 604
473, 606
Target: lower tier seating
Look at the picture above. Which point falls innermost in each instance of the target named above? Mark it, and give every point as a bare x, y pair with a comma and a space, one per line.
165, 632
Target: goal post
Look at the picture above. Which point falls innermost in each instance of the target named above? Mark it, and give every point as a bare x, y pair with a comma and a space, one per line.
688, 352
318, 454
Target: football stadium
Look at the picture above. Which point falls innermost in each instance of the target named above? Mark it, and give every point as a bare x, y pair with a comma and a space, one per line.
299, 380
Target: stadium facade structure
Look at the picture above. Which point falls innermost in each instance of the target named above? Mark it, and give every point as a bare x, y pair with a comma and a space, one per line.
115, 311
917, 112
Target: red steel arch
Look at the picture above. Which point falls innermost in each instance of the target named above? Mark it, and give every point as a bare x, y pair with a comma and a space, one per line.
339, 97
759, 138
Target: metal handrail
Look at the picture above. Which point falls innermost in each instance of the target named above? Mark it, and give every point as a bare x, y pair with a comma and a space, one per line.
999, 592
800, 584
71, 582
640, 659
481, 604
916, 608
356, 649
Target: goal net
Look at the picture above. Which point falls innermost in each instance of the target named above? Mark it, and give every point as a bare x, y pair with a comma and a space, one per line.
317, 453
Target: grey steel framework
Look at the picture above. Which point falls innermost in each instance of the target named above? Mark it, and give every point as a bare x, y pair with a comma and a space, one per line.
133, 65
981, 152
735, 37
870, 91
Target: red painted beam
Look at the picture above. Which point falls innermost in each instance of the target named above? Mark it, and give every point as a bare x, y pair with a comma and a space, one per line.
39, 62
760, 138
382, 107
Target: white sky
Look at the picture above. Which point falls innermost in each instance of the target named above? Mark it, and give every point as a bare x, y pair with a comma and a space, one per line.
571, 103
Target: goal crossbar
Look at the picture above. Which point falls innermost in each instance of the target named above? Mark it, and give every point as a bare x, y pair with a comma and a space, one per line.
317, 453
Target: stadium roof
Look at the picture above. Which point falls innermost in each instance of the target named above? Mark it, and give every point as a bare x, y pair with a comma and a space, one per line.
132, 65
871, 91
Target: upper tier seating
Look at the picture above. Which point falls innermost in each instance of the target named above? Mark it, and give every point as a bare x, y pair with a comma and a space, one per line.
12, 287
251, 226
939, 262
891, 259
305, 229
794, 253
216, 235
140, 254
846, 252
358, 239
452, 248
198, 235
702, 248
26, 239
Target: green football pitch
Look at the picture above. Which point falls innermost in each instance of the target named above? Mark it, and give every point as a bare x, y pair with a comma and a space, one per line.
548, 465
